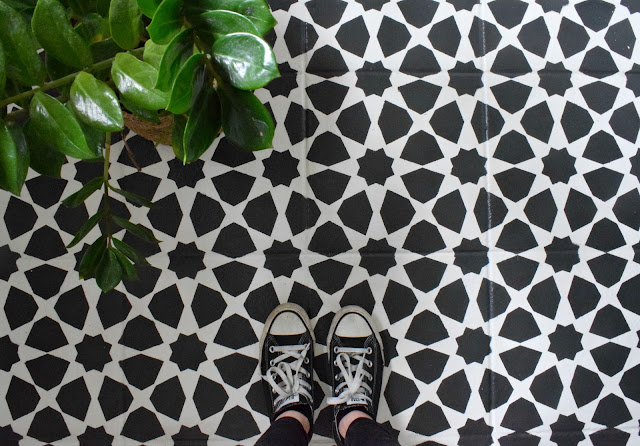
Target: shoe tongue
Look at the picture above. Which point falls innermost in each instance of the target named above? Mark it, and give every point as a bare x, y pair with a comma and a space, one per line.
353, 401
288, 339
293, 399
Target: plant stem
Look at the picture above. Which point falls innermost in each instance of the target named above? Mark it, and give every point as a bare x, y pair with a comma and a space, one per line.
107, 155
207, 60
130, 152
62, 81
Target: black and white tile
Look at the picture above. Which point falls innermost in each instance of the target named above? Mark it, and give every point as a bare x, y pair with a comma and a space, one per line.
467, 171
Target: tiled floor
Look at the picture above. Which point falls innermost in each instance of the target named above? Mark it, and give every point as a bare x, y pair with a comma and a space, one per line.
467, 171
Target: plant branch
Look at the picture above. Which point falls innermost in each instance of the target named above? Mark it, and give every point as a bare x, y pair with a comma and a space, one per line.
207, 60
63, 80
129, 152
107, 207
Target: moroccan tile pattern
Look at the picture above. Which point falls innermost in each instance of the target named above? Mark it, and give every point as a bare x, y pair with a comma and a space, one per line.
466, 171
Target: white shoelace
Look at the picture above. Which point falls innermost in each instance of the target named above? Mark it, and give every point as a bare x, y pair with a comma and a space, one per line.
293, 376
352, 390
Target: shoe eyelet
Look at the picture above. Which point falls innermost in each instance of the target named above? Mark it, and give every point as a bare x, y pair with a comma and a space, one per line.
337, 377
335, 363
369, 363
272, 349
369, 350
306, 360
335, 349
271, 363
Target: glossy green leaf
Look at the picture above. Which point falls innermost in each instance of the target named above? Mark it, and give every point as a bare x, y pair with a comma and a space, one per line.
153, 53
95, 138
43, 156
3, 68
177, 137
85, 192
93, 28
56, 35
53, 122
130, 252
213, 25
134, 198
245, 60
142, 113
127, 267
135, 229
167, 21
23, 64
190, 80
149, 7
92, 258
96, 104
203, 125
86, 228
22, 152
255, 10
177, 53
14, 159
246, 122
125, 23
109, 271
136, 80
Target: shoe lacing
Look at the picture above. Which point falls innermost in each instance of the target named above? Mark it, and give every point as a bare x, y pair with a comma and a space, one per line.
293, 376
352, 389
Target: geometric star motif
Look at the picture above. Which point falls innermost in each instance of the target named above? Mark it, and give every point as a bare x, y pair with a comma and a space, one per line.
188, 352
282, 258
468, 166
375, 167
377, 257
552, 5
473, 345
565, 342
475, 433
567, 430
373, 78
471, 256
465, 78
281, 168
555, 78
186, 260
562, 254
559, 166
93, 353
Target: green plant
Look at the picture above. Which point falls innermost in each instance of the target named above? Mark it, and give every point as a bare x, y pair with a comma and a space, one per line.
200, 63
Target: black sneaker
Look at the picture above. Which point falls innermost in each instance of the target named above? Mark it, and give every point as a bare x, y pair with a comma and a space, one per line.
356, 361
286, 361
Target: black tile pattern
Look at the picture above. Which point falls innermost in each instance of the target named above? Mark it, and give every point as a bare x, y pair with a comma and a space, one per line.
467, 171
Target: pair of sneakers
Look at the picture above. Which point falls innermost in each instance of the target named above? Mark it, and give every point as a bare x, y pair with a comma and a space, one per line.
355, 356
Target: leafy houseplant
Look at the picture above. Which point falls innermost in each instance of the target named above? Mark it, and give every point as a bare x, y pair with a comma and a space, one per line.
192, 64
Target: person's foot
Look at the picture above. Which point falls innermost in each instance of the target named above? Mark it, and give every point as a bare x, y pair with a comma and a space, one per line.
286, 361
356, 361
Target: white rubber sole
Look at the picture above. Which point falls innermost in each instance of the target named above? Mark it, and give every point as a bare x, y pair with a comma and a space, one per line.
295, 308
